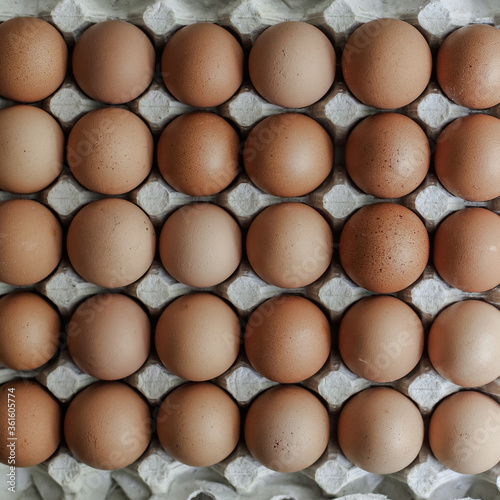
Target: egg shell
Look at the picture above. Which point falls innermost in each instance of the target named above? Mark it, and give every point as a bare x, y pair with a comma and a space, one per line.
466, 157
38, 423
289, 245
387, 155
198, 424
33, 58
110, 151
464, 432
200, 245
198, 154
380, 430
198, 337
288, 154
381, 338
386, 63
31, 243
466, 249
111, 242
287, 428
384, 247
202, 65
109, 336
29, 330
464, 343
292, 64
32, 145
287, 339
107, 425
113, 61
468, 66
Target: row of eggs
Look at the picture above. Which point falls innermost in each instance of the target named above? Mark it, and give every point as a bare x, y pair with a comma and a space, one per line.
386, 63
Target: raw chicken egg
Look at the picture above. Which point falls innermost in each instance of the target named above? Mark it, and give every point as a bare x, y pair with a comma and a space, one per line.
198, 424
386, 63
467, 249
288, 154
289, 245
292, 64
287, 339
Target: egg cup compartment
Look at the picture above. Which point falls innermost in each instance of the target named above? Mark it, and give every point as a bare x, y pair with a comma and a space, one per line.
155, 473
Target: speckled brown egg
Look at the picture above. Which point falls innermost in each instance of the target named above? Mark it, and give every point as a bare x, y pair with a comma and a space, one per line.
464, 432
288, 154
29, 330
198, 154
287, 428
387, 155
468, 65
289, 245
31, 243
386, 63
384, 247
110, 151
466, 249
37, 423
381, 338
198, 424
109, 336
287, 339
113, 61
108, 425
33, 58
200, 245
111, 242
466, 157
202, 65
32, 145
464, 343
292, 64
197, 337
380, 430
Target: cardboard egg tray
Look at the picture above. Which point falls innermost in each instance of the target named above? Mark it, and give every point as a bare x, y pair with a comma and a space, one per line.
155, 474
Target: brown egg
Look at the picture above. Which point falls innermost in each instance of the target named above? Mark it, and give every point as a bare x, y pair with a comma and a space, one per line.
33, 58
198, 337
289, 245
386, 63
466, 157
464, 343
466, 250
288, 154
31, 415
464, 432
29, 330
113, 61
202, 65
31, 243
111, 242
198, 154
287, 428
288, 339
110, 151
384, 247
108, 425
198, 424
109, 336
292, 64
387, 155
200, 245
32, 145
381, 338
380, 430
468, 66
